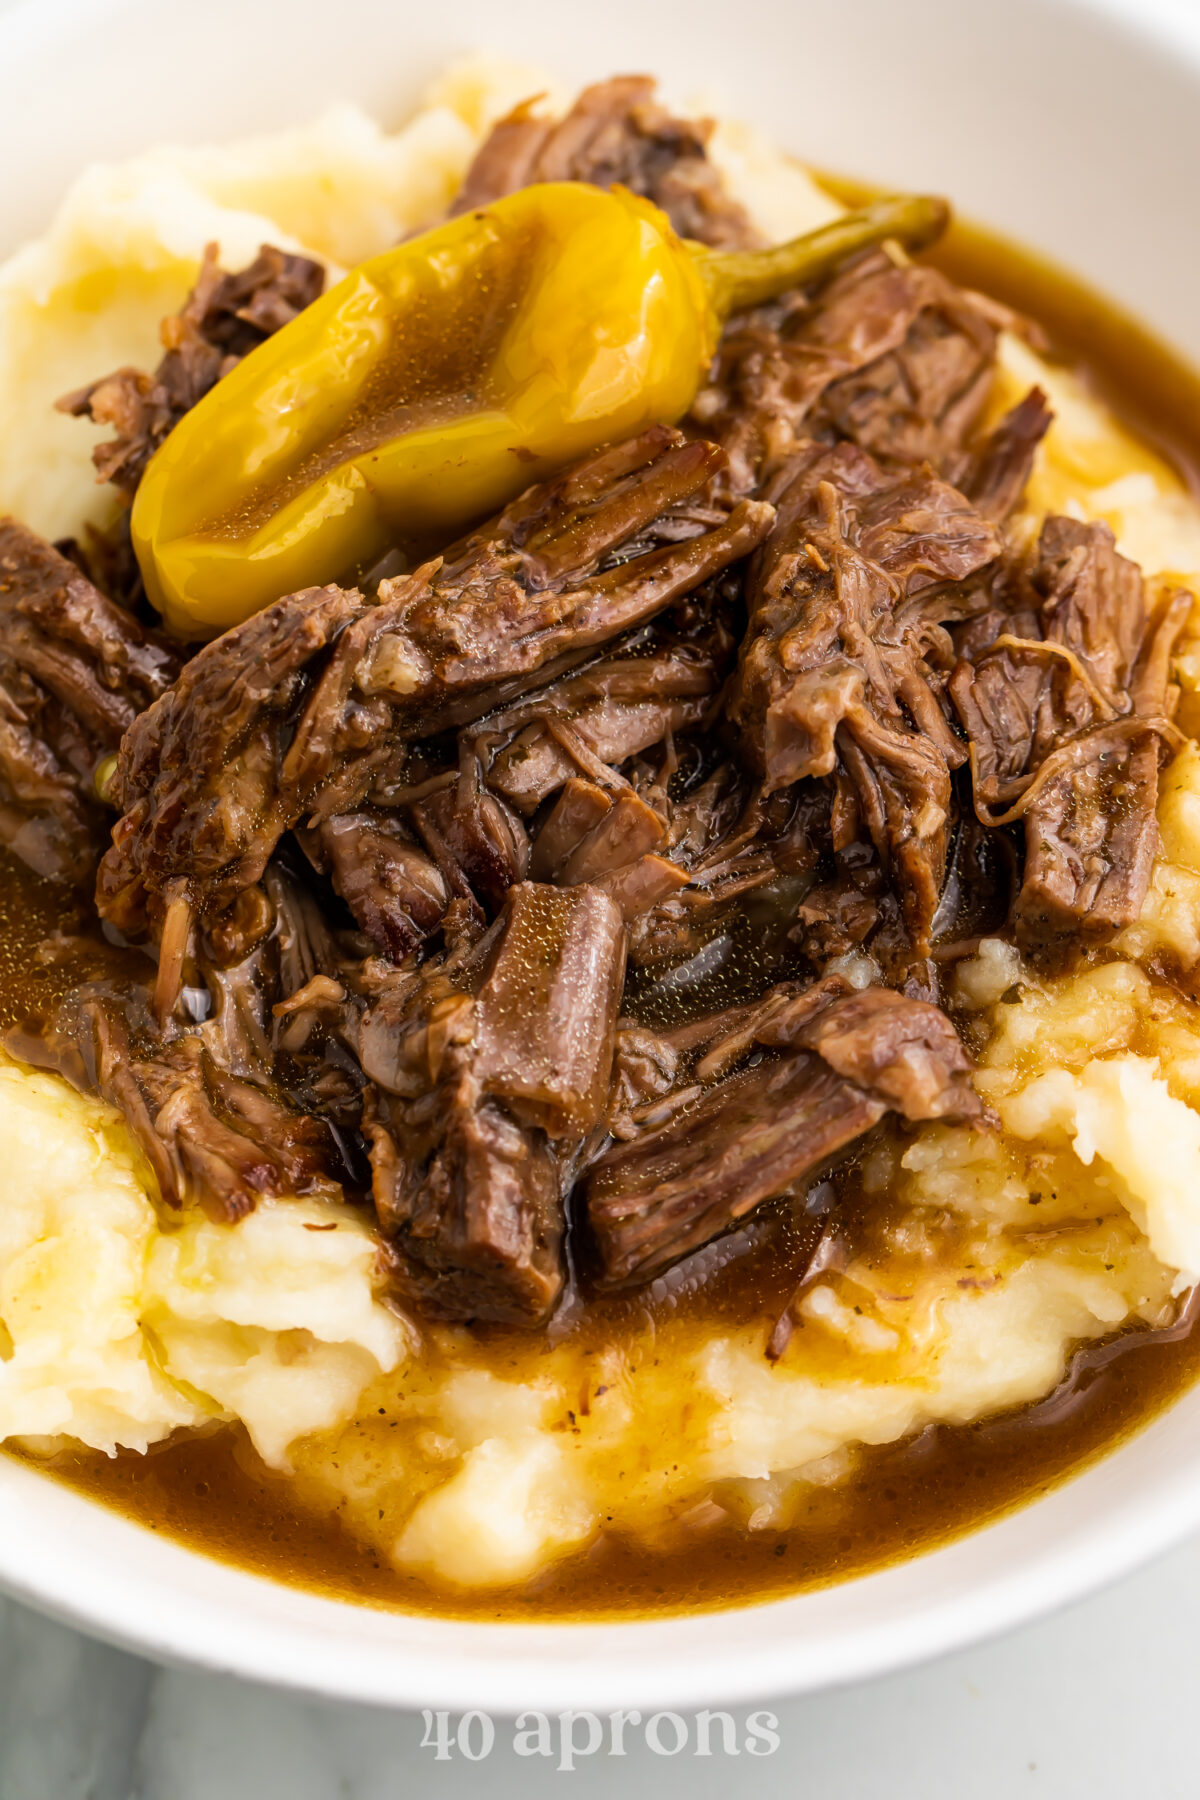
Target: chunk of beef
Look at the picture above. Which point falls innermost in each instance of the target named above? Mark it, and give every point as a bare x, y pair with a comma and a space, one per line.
75, 670
999, 469
1064, 692
841, 670
528, 594
477, 841
223, 319
904, 1051
616, 133
395, 890
1090, 842
487, 1080
480, 1237
637, 888
622, 706
1092, 602
763, 1131
893, 357
671, 1190
579, 808
201, 779
547, 1008
998, 694
269, 724
1090, 830
47, 816
629, 830
88, 654
921, 396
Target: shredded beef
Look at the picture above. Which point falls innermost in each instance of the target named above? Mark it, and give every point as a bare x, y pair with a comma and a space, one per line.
616, 133
531, 592
764, 1130
213, 1135
75, 672
223, 318
919, 396
307, 705
1064, 692
656, 687
200, 779
395, 890
842, 667
476, 840
892, 357
211, 1138
752, 706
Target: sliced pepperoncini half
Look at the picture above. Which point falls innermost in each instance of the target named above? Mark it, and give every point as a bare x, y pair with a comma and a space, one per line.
438, 380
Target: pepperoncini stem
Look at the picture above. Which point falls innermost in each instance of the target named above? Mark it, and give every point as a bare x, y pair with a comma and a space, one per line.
736, 279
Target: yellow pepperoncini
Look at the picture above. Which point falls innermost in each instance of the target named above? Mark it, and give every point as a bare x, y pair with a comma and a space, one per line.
438, 380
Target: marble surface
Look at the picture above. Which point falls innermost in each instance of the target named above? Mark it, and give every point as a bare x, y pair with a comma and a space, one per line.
1092, 1704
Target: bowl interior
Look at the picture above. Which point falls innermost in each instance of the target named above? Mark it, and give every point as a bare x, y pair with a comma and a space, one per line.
1041, 119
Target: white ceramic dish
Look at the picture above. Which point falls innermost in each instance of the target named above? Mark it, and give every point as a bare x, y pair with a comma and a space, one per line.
1076, 136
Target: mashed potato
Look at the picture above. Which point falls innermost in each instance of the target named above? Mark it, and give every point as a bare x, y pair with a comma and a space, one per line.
996, 1255
115, 1328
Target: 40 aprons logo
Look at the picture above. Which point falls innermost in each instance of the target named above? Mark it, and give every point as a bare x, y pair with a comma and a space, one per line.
568, 1737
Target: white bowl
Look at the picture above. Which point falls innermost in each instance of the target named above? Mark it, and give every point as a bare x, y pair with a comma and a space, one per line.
1043, 119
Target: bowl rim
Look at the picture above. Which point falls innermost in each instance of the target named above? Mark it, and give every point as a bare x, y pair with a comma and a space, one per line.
93, 1569
89, 1567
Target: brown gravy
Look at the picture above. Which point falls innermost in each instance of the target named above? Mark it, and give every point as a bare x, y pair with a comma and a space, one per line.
212, 1492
